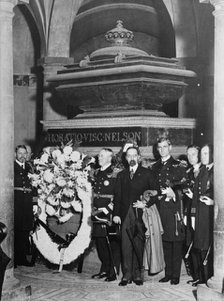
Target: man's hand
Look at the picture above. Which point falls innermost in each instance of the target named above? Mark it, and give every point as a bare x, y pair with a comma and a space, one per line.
169, 193
117, 220
189, 193
148, 194
139, 204
206, 200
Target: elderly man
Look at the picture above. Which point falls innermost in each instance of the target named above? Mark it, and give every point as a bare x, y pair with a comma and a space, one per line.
23, 207
108, 247
132, 182
170, 175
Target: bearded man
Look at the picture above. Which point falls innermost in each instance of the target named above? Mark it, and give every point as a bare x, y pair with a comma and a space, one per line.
132, 182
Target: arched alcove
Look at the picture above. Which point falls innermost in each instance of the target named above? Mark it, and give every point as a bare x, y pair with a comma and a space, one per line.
149, 21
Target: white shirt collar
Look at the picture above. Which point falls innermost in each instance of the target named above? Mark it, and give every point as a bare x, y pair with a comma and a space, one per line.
134, 168
20, 163
165, 159
197, 166
105, 167
209, 166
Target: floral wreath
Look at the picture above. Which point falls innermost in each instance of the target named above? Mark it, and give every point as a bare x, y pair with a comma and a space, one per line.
61, 177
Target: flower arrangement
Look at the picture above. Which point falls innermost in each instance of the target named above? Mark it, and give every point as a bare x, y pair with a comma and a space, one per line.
61, 177
59, 174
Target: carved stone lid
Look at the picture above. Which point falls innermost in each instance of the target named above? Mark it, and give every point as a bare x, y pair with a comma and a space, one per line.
119, 38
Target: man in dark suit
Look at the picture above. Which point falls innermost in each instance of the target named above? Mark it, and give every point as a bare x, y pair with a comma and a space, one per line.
107, 246
23, 207
131, 184
170, 175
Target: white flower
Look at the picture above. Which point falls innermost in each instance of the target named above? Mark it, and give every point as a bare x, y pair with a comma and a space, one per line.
70, 183
68, 192
61, 182
36, 161
65, 217
65, 205
51, 187
59, 178
56, 169
67, 157
76, 205
50, 210
44, 158
78, 165
52, 200
48, 176
75, 156
47, 150
67, 150
56, 153
61, 159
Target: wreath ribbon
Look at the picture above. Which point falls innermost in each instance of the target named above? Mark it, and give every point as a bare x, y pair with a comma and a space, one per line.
51, 248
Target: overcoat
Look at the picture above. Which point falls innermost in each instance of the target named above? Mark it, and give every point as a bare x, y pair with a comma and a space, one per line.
203, 235
129, 191
153, 259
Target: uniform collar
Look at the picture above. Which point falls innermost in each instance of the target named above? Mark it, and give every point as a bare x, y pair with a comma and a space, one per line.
196, 166
105, 167
20, 163
209, 166
165, 160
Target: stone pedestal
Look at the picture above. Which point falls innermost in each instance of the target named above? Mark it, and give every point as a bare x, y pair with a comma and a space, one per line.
112, 131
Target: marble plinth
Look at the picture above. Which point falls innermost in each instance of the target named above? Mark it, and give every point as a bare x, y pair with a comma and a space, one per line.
111, 131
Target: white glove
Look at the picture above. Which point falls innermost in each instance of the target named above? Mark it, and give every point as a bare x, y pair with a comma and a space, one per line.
169, 193
139, 204
189, 193
104, 210
207, 200
117, 220
193, 222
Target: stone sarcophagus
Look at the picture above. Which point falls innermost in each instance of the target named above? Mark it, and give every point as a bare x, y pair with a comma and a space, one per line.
120, 87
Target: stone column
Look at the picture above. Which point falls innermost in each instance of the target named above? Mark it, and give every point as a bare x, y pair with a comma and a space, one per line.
215, 288
11, 285
50, 67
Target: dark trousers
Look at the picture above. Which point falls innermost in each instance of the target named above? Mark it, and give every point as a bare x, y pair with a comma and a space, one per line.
4, 260
132, 257
21, 246
173, 252
109, 262
203, 270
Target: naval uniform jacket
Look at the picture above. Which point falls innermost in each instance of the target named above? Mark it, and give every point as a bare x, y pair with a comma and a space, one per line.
129, 191
172, 174
187, 202
103, 195
23, 194
203, 235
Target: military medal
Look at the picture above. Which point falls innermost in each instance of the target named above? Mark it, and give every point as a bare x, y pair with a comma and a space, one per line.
106, 183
